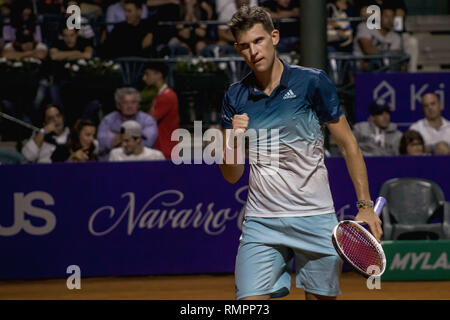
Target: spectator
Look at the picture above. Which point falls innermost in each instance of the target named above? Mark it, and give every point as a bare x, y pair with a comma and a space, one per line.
71, 46
377, 41
42, 143
85, 30
434, 127
378, 136
24, 104
63, 93
286, 9
25, 46
116, 13
134, 37
132, 148
164, 106
127, 103
339, 33
225, 10
193, 36
22, 17
81, 145
412, 144
163, 11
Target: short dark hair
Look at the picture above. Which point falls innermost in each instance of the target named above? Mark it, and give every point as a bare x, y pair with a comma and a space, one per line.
245, 18
49, 106
137, 3
408, 137
158, 66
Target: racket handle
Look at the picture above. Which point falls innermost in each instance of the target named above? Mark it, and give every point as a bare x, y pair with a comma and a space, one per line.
239, 131
379, 204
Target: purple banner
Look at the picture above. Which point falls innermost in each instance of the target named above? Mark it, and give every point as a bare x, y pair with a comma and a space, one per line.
402, 91
146, 218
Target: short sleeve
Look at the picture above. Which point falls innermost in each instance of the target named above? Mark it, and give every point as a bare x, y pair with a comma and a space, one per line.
228, 113
326, 101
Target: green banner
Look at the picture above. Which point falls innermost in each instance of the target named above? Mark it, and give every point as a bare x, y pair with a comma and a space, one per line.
417, 260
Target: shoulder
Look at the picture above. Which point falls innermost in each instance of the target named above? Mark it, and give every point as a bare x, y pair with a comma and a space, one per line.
417, 125
361, 126
110, 117
144, 118
153, 153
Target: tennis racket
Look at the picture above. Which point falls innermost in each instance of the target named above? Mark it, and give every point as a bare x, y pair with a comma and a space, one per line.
358, 247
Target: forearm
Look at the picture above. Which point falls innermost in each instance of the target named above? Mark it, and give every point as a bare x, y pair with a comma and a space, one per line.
66, 55
356, 169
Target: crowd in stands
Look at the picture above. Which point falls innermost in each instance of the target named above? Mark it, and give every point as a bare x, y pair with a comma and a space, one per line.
135, 28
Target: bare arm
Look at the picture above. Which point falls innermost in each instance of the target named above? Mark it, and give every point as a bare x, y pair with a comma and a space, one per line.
56, 54
231, 172
367, 47
357, 169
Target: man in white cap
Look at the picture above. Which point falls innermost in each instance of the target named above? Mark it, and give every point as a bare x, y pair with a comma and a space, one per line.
132, 148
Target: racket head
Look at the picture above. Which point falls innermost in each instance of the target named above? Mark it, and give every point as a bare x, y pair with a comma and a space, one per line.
358, 247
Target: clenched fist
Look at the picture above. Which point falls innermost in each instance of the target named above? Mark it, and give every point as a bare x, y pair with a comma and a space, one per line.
240, 122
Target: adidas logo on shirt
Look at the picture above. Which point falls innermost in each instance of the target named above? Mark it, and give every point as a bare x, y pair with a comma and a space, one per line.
289, 95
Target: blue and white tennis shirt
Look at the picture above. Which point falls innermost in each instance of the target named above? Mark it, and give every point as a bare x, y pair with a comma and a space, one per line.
303, 101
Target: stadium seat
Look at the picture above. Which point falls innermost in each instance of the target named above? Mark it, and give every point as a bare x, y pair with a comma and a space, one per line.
8, 156
415, 209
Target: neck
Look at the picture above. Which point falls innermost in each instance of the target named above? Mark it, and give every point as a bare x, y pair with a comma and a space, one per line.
159, 85
269, 80
125, 118
435, 123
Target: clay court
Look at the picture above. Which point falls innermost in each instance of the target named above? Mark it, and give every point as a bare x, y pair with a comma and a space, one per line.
205, 287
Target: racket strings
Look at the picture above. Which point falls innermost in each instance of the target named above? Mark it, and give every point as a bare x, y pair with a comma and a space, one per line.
359, 248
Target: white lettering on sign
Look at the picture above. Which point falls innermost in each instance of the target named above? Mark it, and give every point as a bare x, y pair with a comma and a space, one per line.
160, 212
23, 205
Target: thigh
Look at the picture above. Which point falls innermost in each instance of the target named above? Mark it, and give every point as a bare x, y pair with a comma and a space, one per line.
262, 262
317, 263
262, 269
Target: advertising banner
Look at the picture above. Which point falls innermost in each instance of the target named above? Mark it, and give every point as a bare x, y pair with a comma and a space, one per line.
147, 218
402, 91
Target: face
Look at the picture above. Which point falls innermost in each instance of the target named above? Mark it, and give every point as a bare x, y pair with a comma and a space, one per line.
129, 105
129, 143
257, 47
87, 136
381, 120
431, 106
53, 115
70, 37
132, 13
240, 3
414, 148
150, 77
26, 14
387, 19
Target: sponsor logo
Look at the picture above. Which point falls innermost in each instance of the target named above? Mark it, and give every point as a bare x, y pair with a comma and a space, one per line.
23, 207
289, 95
419, 261
164, 210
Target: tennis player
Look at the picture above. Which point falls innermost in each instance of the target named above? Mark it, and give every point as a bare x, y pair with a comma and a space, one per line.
290, 213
